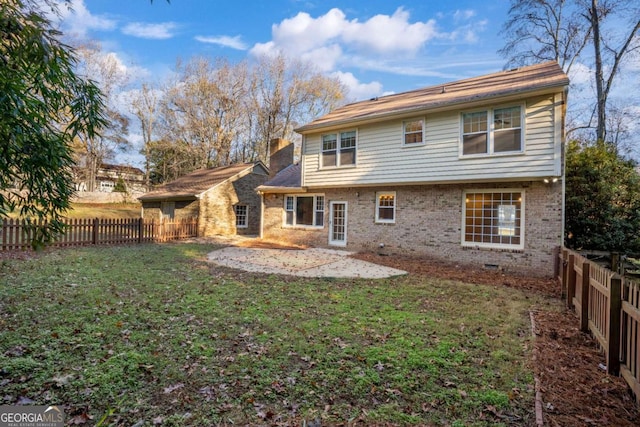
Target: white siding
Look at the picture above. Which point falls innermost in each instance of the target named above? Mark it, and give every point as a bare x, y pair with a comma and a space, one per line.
383, 160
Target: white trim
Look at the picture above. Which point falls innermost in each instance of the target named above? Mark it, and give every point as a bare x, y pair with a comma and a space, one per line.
338, 134
341, 243
519, 246
404, 133
295, 197
490, 132
246, 215
395, 204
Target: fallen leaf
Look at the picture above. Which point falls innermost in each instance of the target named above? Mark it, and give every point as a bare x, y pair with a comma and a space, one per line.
173, 388
24, 401
80, 419
62, 380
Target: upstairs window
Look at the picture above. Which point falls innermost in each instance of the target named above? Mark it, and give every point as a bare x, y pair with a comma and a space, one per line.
413, 132
507, 130
339, 149
474, 133
492, 131
305, 211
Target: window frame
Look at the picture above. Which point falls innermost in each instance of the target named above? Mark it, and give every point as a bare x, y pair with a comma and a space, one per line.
291, 209
519, 222
238, 216
167, 211
379, 195
405, 133
491, 130
339, 149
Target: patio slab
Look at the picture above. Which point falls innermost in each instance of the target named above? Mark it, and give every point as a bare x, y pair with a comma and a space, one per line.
312, 262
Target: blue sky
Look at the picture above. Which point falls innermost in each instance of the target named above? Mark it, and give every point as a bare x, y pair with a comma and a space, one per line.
374, 46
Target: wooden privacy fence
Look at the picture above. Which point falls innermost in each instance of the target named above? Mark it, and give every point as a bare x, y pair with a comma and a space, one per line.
607, 305
16, 236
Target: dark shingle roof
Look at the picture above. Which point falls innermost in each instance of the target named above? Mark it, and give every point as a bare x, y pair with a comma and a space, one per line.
289, 177
517, 81
195, 183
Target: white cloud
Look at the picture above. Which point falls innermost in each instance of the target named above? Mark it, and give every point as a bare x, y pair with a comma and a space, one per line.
303, 33
332, 32
226, 41
463, 15
580, 74
161, 31
385, 34
76, 19
358, 90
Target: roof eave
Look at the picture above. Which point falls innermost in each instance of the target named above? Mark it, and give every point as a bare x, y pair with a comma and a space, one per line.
280, 190
470, 101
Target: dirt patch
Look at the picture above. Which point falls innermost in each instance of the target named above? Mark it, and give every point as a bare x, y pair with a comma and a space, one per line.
264, 244
446, 270
576, 391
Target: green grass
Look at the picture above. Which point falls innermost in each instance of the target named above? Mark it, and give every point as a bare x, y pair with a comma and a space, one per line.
152, 333
104, 210
99, 210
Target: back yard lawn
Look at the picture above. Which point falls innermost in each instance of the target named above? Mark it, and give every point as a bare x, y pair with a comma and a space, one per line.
153, 335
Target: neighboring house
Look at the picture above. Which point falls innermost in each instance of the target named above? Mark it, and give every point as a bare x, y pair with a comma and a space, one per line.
223, 199
107, 177
469, 171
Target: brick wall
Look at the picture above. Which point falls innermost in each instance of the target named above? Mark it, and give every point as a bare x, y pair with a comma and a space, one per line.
183, 209
217, 215
429, 222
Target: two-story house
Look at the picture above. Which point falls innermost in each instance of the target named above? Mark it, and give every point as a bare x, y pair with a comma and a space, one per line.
470, 171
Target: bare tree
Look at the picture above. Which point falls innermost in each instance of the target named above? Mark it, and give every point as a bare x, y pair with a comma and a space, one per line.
111, 77
286, 93
610, 49
544, 30
560, 30
144, 105
201, 111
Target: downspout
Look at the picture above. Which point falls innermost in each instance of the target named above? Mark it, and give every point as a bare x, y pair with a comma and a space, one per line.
261, 214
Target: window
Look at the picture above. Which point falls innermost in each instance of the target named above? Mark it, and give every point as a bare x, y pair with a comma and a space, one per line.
474, 133
241, 216
107, 186
304, 210
494, 219
507, 130
168, 210
413, 132
339, 149
386, 207
503, 134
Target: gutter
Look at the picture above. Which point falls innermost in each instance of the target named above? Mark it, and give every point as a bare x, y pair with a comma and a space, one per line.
431, 107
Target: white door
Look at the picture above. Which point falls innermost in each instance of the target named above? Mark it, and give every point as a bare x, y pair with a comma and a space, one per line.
338, 224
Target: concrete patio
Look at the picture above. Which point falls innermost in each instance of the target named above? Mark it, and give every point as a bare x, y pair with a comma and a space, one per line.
312, 262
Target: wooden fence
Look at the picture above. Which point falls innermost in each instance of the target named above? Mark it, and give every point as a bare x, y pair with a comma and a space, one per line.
16, 236
607, 305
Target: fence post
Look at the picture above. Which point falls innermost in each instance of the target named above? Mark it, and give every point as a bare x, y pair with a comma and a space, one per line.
584, 303
615, 325
615, 262
96, 225
4, 233
562, 271
570, 279
140, 229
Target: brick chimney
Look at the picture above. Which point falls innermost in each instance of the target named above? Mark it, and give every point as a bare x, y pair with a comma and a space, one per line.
280, 155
